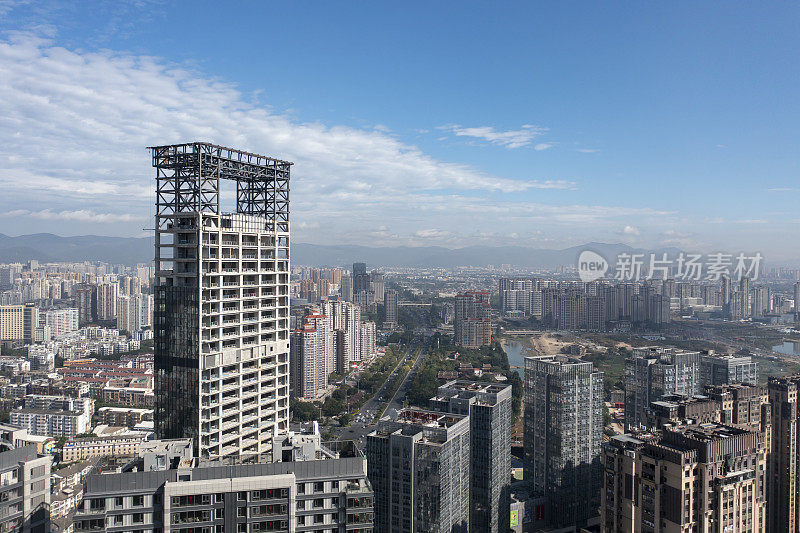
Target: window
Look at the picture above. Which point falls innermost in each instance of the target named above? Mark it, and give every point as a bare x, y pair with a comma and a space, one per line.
138, 500
138, 518
119, 501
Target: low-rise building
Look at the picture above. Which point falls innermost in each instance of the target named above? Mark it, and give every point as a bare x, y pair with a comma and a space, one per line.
83, 448
123, 416
50, 422
24, 490
328, 493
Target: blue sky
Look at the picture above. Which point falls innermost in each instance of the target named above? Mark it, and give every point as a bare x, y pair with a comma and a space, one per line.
542, 125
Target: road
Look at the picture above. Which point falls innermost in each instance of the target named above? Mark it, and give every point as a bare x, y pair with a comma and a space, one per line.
358, 430
399, 397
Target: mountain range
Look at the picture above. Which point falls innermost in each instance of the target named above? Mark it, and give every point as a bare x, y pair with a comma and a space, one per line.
46, 247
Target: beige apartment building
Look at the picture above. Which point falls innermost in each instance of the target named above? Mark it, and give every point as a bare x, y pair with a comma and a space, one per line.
18, 322
80, 449
783, 487
707, 478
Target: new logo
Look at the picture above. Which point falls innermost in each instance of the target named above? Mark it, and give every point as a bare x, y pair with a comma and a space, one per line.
591, 266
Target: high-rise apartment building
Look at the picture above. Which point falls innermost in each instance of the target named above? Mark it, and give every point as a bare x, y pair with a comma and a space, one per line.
489, 409
367, 341
346, 324
563, 434
134, 312
760, 301
784, 490
85, 296
725, 282
744, 405
378, 285
360, 278
706, 477
309, 370
653, 372
221, 298
346, 288
419, 468
472, 323
390, 309
18, 322
59, 321
723, 369
107, 294
797, 297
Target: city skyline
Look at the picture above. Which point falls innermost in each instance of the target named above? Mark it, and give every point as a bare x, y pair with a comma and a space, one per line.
557, 127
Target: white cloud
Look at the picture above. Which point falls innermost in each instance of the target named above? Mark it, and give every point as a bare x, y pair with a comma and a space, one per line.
509, 139
81, 215
74, 127
587, 150
432, 233
554, 184
682, 239
543, 146
630, 231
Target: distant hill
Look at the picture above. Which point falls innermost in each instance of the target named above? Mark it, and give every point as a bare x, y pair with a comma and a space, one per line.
49, 247
132, 250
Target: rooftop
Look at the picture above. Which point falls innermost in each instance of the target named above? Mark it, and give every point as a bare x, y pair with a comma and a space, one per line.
422, 417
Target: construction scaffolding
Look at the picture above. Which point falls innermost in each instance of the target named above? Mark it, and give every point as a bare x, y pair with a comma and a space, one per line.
187, 181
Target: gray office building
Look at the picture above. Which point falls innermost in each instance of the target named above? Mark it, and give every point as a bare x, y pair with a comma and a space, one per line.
419, 467
360, 278
653, 372
390, 309
24, 490
563, 437
725, 369
324, 491
489, 408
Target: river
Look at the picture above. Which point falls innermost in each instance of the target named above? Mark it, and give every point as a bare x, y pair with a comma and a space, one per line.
516, 350
788, 347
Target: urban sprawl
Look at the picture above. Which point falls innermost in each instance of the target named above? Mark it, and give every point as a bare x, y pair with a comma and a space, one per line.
224, 388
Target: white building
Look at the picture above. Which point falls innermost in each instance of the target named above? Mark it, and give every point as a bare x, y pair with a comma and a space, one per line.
222, 297
59, 322
107, 294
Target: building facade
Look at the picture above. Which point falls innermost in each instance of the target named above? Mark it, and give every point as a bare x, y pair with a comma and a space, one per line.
419, 468
707, 477
489, 410
327, 492
221, 299
24, 491
653, 372
563, 433
472, 323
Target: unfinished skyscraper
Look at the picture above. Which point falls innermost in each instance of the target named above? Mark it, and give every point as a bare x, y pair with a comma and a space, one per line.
221, 299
